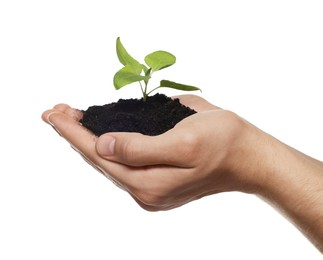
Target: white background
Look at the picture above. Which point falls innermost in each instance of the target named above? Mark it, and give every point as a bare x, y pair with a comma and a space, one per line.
261, 59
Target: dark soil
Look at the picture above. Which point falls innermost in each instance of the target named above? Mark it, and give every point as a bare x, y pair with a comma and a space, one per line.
155, 116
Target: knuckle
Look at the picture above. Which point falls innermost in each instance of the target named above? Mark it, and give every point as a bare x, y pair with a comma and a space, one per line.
129, 152
190, 146
130, 149
233, 122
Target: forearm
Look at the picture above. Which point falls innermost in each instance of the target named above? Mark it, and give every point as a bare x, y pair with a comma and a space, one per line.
296, 186
292, 182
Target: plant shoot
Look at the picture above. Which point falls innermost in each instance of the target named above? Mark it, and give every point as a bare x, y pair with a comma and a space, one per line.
133, 71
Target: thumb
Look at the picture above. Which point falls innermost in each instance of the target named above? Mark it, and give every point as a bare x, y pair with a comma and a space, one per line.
135, 149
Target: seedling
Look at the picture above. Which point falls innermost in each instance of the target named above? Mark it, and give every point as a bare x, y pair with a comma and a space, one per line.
133, 71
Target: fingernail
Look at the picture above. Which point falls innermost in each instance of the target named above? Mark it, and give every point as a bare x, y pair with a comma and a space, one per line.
105, 145
51, 122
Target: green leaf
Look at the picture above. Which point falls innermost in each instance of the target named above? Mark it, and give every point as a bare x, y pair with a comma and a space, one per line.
146, 70
147, 73
125, 58
159, 60
171, 84
127, 75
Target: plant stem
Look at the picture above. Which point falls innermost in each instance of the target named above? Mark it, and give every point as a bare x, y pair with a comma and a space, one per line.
153, 90
142, 91
145, 91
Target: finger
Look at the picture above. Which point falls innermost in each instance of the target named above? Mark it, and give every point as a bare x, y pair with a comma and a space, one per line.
140, 150
72, 112
66, 109
69, 128
83, 141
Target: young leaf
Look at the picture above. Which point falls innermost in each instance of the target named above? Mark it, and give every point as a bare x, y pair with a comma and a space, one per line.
171, 84
146, 70
127, 75
147, 73
159, 60
125, 58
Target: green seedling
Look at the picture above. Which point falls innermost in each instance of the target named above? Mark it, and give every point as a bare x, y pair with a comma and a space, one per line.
133, 71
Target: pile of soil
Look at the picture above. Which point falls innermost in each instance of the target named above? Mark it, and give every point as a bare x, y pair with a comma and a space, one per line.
155, 116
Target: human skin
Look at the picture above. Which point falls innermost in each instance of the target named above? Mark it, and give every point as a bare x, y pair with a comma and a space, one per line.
209, 152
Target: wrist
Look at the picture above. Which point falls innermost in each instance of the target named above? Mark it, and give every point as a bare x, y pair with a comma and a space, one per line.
284, 177
248, 158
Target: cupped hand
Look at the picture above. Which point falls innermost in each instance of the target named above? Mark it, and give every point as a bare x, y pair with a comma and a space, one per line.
194, 159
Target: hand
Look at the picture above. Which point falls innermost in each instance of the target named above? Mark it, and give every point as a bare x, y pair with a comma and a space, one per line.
209, 152
166, 171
